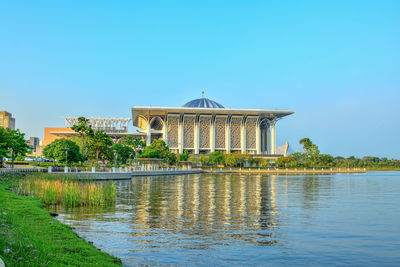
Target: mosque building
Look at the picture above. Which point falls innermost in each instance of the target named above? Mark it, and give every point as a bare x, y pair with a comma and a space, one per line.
202, 126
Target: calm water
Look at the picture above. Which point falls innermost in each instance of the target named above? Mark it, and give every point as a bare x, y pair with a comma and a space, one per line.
249, 220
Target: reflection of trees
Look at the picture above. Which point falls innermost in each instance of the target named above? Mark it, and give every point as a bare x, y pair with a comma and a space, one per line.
219, 207
268, 209
312, 188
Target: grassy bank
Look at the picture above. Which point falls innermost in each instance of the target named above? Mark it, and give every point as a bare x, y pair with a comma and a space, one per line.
29, 236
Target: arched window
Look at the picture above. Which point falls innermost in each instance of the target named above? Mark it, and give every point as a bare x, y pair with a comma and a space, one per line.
156, 123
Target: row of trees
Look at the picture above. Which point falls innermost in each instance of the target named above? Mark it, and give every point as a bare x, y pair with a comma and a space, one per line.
12, 145
311, 158
97, 147
229, 160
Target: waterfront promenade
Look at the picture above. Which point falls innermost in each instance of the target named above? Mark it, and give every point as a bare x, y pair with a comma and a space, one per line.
127, 173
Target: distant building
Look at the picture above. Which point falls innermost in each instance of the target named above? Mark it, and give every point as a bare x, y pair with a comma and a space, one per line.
6, 120
33, 142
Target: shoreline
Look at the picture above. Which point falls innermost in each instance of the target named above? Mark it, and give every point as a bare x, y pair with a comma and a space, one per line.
30, 236
126, 175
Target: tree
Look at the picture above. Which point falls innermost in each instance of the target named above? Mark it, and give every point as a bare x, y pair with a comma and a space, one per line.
242, 158
59, 148
17, 144
150, 153
280, 162
203, 160
310, 150
325, 160
297, 159
172, 159
264, 163
284, 162
306, 142
184, 156
159, 149
231, 160
123, 152
216, 157
83, 129
100, 145
4, 145
136, 143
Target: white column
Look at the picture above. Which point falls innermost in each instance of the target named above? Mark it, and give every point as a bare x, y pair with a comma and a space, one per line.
267, 140
243, 136
180, 135
148, 134
165, 133
262, 142
228, 135
196, 136
273, 138
212, 134
258, 139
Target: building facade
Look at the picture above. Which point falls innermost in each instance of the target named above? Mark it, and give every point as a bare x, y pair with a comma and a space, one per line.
109, 125
6, 120
202, 126
116, 128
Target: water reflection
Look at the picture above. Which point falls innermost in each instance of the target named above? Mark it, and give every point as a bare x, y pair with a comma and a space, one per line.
221, 208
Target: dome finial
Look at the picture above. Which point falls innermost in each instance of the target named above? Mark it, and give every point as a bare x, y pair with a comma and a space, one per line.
202, 94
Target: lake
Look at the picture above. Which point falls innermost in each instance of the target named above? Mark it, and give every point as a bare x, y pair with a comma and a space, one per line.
232, 219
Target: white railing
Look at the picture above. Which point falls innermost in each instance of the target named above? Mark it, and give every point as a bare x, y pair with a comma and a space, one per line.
21, 170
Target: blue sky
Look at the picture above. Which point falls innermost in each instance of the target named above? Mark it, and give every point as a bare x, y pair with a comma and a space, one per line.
336, 64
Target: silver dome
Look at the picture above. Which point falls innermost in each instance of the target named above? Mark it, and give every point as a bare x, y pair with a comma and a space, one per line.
202, 103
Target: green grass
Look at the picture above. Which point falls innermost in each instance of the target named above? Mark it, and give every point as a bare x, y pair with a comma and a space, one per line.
29, 236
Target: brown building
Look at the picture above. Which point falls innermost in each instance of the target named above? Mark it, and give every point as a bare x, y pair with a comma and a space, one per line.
51, 134
6, 120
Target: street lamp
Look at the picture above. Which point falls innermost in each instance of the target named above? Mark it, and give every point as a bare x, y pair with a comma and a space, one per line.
115, 158
66, 156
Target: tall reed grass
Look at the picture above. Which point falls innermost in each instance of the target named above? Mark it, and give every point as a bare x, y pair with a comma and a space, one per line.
66, 192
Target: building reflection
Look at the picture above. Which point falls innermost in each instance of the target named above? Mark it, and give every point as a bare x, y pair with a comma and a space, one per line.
221, 207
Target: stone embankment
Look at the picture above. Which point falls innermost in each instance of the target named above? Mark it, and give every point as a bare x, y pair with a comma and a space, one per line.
286, 171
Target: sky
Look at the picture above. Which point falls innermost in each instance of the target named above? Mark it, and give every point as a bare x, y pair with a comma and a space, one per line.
336, 64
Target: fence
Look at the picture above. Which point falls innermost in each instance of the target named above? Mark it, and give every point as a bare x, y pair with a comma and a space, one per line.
21, 170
